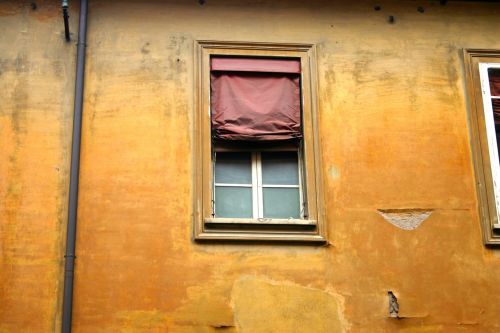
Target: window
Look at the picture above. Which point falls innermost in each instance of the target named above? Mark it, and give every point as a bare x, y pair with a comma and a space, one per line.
258, 184
483, 72
255, 130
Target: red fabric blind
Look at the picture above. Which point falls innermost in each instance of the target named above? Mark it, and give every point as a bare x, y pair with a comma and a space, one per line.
268, 65
255, 99
494, 75
496, 110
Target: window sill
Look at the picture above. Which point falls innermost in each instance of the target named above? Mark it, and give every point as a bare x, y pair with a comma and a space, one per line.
265, 230
260, 221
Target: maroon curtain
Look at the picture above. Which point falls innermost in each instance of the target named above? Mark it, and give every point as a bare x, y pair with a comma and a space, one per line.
494, 76
266, 65
496, 110
255, 99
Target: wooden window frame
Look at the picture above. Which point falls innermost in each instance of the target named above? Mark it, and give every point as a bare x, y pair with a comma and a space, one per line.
487, 173
206, 227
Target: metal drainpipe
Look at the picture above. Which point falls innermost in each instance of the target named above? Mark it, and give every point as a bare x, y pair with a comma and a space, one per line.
65, 6
69, 266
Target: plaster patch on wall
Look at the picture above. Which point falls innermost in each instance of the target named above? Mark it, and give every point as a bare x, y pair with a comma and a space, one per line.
205, 309
262, 305
406, 219
333, 172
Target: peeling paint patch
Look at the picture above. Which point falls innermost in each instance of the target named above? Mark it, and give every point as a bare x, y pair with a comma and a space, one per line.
406, 219
393, 305
206, 308
262, 305
333, 172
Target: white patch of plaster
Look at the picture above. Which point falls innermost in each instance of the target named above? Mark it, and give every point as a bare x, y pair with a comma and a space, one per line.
495, 252
406, 219
333, 172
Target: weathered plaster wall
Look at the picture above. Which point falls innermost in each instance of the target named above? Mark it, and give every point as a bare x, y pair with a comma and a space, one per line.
36, 93
394, 136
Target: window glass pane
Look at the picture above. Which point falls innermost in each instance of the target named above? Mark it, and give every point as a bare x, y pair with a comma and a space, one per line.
494, 76
280, 168
233, 201
281, 203
233, 168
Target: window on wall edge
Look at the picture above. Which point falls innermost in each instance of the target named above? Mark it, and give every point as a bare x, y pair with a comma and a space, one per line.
483, 79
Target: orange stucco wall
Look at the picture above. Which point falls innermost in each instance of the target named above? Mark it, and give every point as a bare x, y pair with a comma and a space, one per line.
36, 94
394, 134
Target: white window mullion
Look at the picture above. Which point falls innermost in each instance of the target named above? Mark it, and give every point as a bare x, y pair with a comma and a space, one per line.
214, 160
260, 195
281, 186
232, 185
255, 189
303, 208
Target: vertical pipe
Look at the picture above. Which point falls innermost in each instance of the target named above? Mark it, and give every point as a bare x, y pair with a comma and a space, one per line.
69, 265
